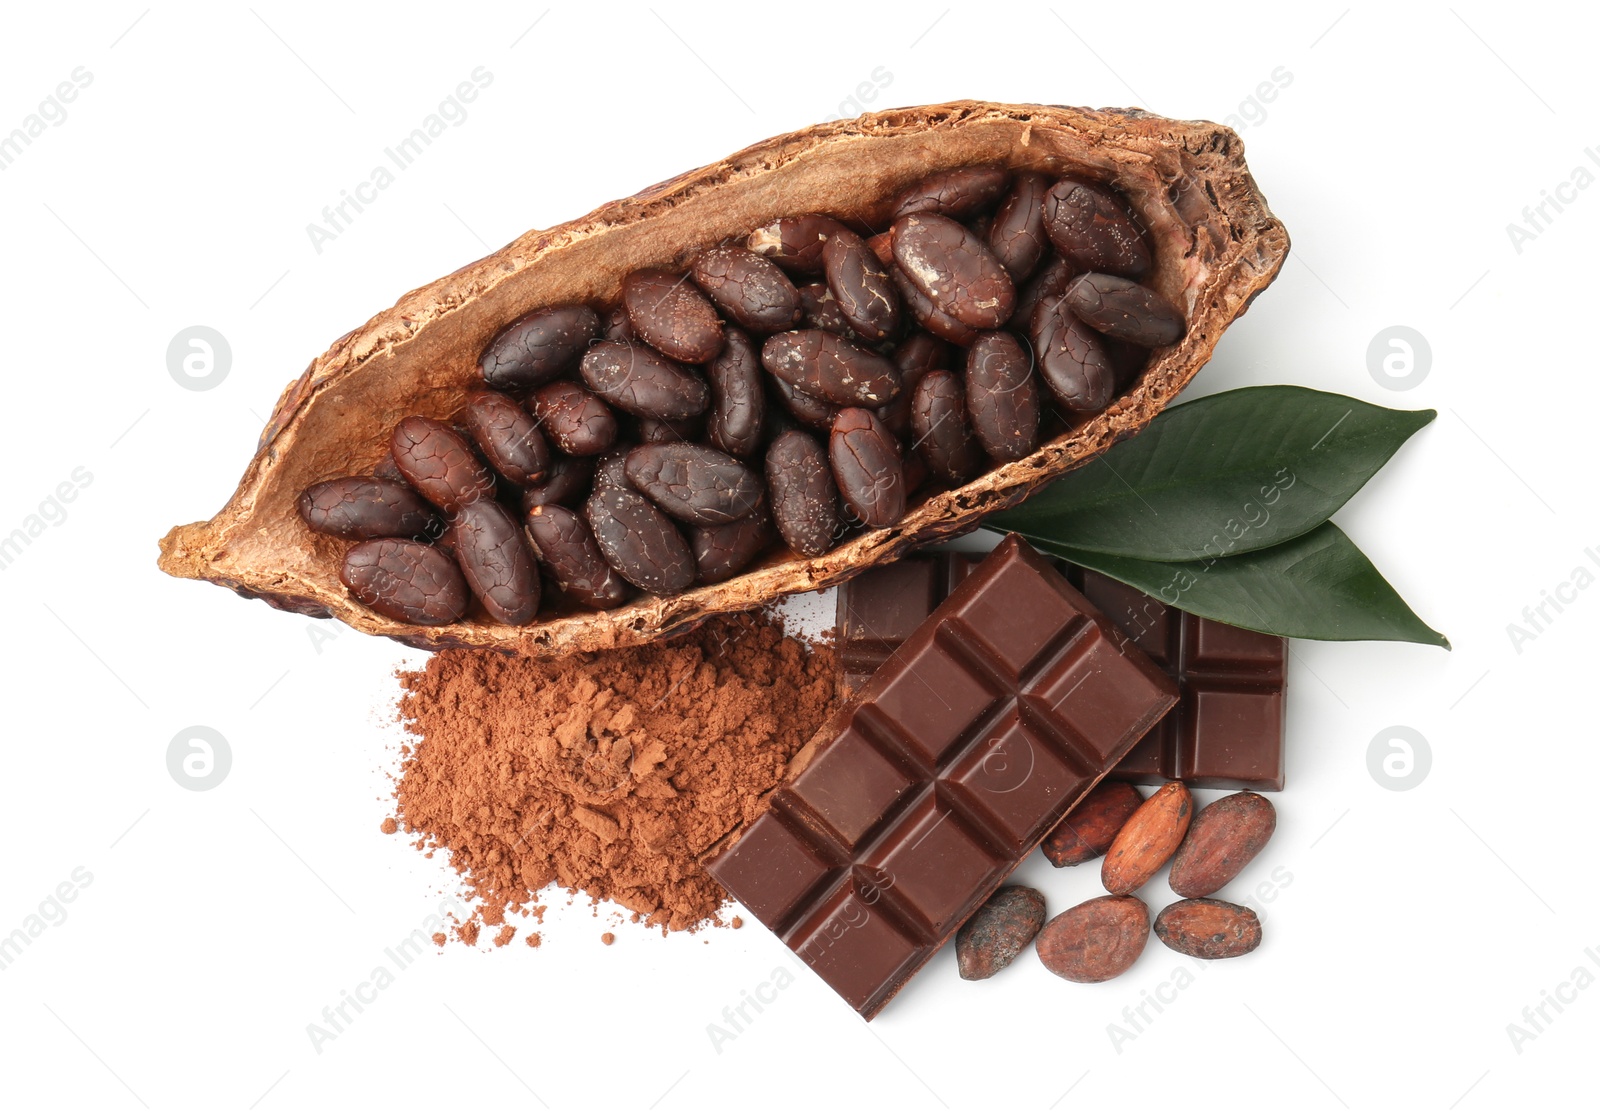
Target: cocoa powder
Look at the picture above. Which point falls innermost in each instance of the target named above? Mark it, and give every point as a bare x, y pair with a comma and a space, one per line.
608, 772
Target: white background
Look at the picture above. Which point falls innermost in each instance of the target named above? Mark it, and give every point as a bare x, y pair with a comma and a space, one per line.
1417, 925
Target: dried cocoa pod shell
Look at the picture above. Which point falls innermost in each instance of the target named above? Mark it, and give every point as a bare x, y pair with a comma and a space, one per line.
1217, 246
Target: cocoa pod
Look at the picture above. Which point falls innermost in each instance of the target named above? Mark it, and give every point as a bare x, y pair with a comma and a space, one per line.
998, 931
1147, 839
1223, 838
1090, 828
1096, 940
1207, 928
1189, 180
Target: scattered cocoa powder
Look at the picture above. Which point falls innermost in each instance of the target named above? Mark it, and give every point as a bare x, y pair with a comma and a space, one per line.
389, 826
468, 933
439, 939
505, 935
737, 922
534, 939
607, 772
607, 938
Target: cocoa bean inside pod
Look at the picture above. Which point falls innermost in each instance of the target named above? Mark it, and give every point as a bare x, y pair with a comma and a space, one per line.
1212, 246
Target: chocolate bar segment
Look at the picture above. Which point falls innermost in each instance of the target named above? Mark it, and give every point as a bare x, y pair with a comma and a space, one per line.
1227, 729
997, 714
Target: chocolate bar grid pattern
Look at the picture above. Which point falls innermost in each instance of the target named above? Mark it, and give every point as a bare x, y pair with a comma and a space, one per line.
947, 772
1227, 730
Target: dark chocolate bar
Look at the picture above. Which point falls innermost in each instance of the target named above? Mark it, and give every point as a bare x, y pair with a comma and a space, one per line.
1227, 729
918, 798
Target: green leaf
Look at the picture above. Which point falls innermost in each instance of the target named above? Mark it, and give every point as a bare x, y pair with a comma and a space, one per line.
1219, 476
1318, 585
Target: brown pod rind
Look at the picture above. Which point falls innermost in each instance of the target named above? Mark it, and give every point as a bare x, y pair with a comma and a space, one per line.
750, 289
641, 381
672, 315
1088, 224
406, 580
866, 467
861, 287
439, 464
825, 366
695, 484
944, 439
508, 436
1016, 236
1149, 837
958, 194
951, 265
996, 934
563, 543
495, 559
1002, 396
1224, 837
1090, 828
575, 419
1206, 928
1096, 940
804, 498
1124, 309
1187, 180
366, 508
537, 347
638, 540
794, 242
738, 403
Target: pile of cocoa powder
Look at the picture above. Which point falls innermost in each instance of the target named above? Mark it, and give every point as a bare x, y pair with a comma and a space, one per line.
607, 773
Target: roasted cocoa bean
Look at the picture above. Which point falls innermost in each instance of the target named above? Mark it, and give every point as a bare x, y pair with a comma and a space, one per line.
1048, 284
803, 496
928, 316
723, 550
638, 540
1090, 828
406, 581
957, 193
1096, 940
1002, 396
1206, 928
1124, 309
998, 931
795, 242
1222, 840
826, 366
1016, 236
618, 328
439, 464
861, 287
576, 420
366, 508
653, 430
750, 289
952, 266
738, 403
672, 315
814, 413
508, 436
866, 467
566, 483
1089, 224
1072, 362
820, 311
642, 382
915, 357
537, 347
611, 468
562, 541
695, 484
882, 248
944, 439
495, 559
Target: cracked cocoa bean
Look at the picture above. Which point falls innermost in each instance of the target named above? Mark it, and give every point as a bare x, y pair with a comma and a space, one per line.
722, 551
508, 436
826, 366
695, 484
915, 357
861, 287
672, 315
366, 508
952, 266
866, 467
562, 541
1088, 224
565, 483
641, 382
653, 430
639, 541
537, 347
494, 558
803, 496
957, 193
1124, 309
996, 934
438, 463
738, 403
794, 242
1002, 396
1072, 362
1016, 236
750, 289
820, 311
944, 439
405, 580
577, 421
928, 316
808, 410
1047, 285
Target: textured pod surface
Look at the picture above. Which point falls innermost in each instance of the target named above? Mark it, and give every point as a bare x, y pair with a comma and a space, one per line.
1217, 245
998, 931
1207, 928
1096, 940
1225, 835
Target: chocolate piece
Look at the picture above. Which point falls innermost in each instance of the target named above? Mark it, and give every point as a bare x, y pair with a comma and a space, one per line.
1226, 732
923, 793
